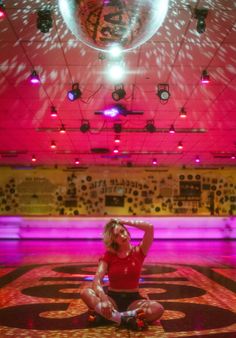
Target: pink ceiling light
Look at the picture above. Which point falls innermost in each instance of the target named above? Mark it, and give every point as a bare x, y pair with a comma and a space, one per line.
2, 10
180, 145
33, 159
77, 161
183, 113
53, 111
62, 129
34, 78
116, 150
117, 139
154, 161
205, 77
53, 145
172, 129
197, 159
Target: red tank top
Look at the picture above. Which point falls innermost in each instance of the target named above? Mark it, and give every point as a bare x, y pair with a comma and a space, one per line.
124, 273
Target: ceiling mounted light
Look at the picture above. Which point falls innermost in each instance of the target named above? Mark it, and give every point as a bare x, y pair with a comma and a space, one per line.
116, 150
33, 159
113, 111
116, 72
150, 126
233, 157
180, 145
154, 161
34, 77
53, 111
74, 93
197, 159
2, 10
182, 113
117, 128
85, 126
205, 77
62, 129
163, 92
117, 138
200, 15
53, 145
44, 20
119, 92
77, 161
115, 50
172, 129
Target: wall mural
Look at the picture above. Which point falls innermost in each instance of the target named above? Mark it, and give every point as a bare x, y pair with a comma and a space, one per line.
117, 191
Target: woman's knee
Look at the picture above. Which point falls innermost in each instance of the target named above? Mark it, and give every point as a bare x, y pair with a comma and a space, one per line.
87, 294
154, 311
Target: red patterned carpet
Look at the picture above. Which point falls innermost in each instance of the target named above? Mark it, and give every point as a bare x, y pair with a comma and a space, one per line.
40, 283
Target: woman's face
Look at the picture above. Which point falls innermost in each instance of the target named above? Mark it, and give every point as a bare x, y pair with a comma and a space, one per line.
120, 234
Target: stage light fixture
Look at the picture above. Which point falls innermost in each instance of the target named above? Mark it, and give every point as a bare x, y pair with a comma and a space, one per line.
117, 128
119, 92
2, 10
197, 159
180, 145
172, 129
200, 15
113, 111
34, 77
77, 161
205, 77
44, 20
116, 150
154, 161
53, 111
150, 126
163, 92
33, 159
74, 93
62, 129
53, 145
183, 113
85, 126
117, 138
233, 157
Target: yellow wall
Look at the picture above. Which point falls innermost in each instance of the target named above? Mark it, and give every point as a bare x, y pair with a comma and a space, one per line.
117, 191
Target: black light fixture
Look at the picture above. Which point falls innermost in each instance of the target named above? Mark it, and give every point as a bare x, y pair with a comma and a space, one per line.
44, 20
150, 126
34, 77
200, 15
62, 129
205, 77
74, 93
85, 126
182, 113
53, 111
163, 92
172, 129
119, 92
33, 159
117, 128
2, 10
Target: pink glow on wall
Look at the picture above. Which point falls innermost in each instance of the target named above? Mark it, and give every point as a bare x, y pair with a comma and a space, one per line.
92, 227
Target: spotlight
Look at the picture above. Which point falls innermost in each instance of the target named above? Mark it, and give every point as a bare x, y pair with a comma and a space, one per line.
233, 157
197, 159
53, 145
53, 111
116, 72
154, 161
180, 145
85, 126
116, 150
205, 77
150, 126
2, 10
182, 113
117, 128
44, 20
62, 129
115, 110
77, 161
117, 139
34, 78
200, 15
119, 92
33, 159
163, 92
74, 93
115, 51
172, 129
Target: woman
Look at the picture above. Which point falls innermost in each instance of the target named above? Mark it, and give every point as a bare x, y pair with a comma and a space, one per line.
123, 262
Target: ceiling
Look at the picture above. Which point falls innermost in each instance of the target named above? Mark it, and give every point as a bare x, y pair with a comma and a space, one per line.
175, 55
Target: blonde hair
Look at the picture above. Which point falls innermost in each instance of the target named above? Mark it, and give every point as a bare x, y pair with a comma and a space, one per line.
108, 235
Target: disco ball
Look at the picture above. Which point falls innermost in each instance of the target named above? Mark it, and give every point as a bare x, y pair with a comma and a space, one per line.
101, 24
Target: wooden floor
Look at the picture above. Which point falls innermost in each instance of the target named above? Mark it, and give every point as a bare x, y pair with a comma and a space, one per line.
40, 283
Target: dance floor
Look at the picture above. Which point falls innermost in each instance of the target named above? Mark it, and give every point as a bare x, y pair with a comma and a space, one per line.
40, 283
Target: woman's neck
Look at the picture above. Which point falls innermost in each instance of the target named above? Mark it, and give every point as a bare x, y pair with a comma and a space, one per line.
124, 250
